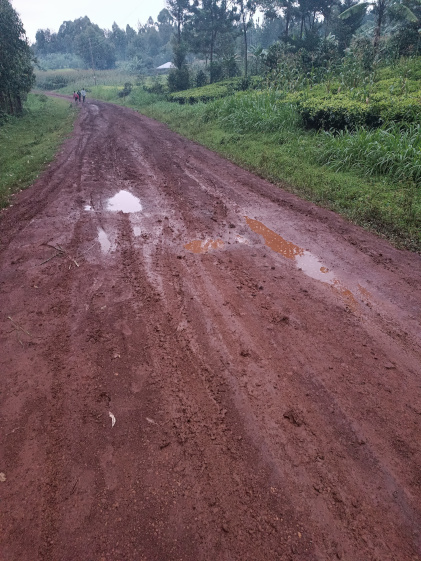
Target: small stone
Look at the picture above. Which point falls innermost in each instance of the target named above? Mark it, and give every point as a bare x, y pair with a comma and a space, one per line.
232, 225
389, 366
225, 527
2, 477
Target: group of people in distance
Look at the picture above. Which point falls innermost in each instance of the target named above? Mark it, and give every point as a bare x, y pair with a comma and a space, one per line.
79, 96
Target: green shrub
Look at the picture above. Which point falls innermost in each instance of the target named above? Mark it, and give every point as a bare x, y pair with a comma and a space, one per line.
52, 82
128, 86
214, 91
179, 79
348, 111
201, 79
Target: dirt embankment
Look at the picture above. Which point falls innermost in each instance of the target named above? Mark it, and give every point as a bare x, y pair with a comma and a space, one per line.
196, 365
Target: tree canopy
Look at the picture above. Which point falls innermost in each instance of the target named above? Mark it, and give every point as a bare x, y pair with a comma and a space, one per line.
16, 73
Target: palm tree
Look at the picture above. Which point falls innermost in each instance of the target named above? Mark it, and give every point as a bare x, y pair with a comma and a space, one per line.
382, 8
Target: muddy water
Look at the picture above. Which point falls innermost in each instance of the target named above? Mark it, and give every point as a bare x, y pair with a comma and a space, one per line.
203, 246
306, 261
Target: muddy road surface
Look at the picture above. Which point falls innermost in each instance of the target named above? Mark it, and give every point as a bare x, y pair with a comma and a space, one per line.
198, 366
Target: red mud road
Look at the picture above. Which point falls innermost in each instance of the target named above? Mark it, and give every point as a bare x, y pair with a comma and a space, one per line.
198, 366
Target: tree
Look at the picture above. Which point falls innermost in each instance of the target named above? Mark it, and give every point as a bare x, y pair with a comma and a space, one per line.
93, 47
211, 20
119, 40
382, 9
180, 12
16, 73
247, 8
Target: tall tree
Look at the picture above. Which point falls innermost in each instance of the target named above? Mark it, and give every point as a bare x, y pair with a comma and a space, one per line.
382, 9
179, 11
16, 73
211, 20
247, 9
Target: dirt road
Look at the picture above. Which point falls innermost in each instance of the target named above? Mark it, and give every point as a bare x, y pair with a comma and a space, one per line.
198, 366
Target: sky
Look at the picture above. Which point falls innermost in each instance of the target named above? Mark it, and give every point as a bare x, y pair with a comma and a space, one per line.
43, 14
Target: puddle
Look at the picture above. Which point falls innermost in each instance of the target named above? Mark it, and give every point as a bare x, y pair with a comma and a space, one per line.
306, 261
274, 240
87, 207
137, 231
104, 241
124, 201
203, 246
241, 239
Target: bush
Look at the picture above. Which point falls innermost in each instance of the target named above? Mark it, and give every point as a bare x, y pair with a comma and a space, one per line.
179, 79
211, 92
128, 86
52, 82
201, 79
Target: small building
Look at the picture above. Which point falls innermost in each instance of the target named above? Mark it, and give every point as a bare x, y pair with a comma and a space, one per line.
166, 66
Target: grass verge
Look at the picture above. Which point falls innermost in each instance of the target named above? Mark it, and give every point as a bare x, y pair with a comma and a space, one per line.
30, 142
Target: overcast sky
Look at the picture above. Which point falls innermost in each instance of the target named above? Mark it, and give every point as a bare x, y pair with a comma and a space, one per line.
43, 14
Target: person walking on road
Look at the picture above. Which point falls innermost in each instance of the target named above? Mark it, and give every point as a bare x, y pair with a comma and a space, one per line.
79, 95
75, 97
83, 92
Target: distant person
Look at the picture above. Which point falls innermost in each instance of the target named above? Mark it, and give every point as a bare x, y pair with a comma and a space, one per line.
79, 95
83, 92
75, 97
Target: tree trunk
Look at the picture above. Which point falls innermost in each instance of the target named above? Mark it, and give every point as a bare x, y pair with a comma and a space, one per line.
380, 17
11, 107
287, 21
19, 108
245, 46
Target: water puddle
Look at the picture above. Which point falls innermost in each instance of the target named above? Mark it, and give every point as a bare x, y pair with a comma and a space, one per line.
124, 201
203, 246
241, 239
104, 241
137, 231
306, 261
274, 241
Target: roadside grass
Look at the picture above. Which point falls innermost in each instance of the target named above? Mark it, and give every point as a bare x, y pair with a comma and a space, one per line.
269, 140
30, 142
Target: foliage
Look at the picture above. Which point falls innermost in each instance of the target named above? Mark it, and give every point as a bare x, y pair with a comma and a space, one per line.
356, 98
16, 74
179, 79
248, 112
201, 79
128, 86
386, 151
214, 91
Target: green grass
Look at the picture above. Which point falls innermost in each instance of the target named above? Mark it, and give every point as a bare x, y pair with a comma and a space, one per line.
29, 143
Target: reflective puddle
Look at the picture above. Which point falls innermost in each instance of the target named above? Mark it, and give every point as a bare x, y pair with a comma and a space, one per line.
104, 241
305, 260
124, 201
203, 246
